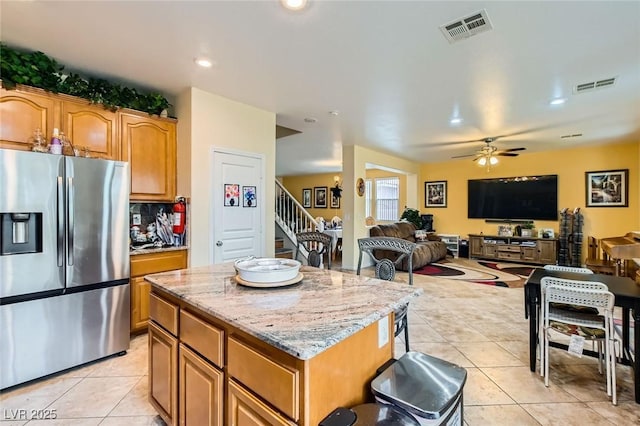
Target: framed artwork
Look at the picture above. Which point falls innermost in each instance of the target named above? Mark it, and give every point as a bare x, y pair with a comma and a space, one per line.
231, 194
320, 197
306, 198
607, 188
435, 194
249, 196
335, 201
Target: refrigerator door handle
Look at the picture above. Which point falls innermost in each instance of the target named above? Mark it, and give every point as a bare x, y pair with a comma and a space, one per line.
60, 230
70, 221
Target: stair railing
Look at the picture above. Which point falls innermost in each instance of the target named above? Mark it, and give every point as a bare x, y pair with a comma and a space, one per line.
291, 215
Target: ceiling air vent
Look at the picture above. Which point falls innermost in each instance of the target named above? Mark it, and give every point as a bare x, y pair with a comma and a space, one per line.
592, 85
466, 27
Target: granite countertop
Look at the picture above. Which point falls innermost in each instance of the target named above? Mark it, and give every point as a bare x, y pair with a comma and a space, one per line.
136, 251
303, 319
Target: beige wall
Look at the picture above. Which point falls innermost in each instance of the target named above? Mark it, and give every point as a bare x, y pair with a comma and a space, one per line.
207, 121
569, 164
355, 161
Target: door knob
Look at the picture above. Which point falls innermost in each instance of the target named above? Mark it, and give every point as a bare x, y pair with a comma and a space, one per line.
219, 243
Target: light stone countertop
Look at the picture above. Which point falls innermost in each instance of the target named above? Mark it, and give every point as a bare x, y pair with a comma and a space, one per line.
156, 250
303, 319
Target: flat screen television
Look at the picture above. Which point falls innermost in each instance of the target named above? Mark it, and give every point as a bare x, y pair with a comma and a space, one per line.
523, 197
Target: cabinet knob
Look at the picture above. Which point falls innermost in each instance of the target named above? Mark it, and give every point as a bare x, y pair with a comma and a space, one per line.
219, 243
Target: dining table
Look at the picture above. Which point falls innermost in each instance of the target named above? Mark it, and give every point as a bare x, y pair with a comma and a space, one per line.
627, 296
336, 234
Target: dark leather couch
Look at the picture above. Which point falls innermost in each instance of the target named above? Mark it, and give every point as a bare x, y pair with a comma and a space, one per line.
426, 252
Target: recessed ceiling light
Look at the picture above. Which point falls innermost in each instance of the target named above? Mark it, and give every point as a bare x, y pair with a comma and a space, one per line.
294, 4
558, 101
310, 120
334, 112
456, 120
204, 62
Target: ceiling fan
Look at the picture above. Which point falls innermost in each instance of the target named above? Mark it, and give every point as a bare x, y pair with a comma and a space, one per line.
486, 156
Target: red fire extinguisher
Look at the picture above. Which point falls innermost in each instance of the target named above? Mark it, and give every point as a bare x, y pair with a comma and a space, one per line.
179, 216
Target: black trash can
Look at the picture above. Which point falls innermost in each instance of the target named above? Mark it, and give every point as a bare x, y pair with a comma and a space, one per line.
463, 248
427, 388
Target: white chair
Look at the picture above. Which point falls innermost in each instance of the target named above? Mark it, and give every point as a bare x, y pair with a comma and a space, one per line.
559, 268
568, 269
596, 328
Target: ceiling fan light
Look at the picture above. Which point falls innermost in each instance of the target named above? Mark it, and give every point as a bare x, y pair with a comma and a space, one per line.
482, 161
493, 160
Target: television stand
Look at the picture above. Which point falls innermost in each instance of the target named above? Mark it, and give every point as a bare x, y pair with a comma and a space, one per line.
543, 251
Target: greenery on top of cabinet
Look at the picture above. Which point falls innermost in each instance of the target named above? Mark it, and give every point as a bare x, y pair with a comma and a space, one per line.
38, 70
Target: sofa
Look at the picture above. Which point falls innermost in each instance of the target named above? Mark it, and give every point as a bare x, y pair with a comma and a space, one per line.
426, 252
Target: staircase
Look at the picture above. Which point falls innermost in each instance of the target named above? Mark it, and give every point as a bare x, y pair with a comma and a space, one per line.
292, 218
282, 251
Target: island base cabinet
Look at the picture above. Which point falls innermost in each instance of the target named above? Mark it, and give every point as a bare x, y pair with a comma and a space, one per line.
163, 373
247, 410
201, 391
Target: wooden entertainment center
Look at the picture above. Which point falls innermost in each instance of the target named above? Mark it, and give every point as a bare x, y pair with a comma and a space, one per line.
515, 249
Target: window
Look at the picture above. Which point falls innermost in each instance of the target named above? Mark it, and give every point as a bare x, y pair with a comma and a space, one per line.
387, 195
367, 198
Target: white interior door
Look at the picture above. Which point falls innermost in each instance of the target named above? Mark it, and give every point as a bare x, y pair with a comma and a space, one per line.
238, 221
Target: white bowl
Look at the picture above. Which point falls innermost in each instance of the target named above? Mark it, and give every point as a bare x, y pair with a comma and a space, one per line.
267, 270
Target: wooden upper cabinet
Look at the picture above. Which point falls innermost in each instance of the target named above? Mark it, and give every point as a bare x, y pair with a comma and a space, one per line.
92, 127
21, 113
149, 145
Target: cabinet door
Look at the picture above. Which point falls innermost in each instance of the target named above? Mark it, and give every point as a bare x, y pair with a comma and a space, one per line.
201, 387
140, 290
24, 112
490, 250
149, 145
529, 254
475, 247
91, 127
163, 373
547, 252
247, 410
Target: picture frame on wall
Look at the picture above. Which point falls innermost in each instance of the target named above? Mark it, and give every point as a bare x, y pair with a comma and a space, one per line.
335, 201
607, 188
306, 198
320, 197
231, 195
249, 197
435, 194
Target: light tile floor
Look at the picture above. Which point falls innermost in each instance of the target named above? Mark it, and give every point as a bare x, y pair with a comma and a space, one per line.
479, 327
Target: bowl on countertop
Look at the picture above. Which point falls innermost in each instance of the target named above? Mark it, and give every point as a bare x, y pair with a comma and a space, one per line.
267, 270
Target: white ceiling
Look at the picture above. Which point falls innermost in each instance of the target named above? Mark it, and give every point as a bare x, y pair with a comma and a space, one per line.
384, 65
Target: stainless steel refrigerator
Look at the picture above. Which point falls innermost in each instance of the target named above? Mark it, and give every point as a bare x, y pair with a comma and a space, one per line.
64, 262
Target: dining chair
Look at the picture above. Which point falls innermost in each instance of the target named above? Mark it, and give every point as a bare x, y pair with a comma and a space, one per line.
594, 262
316, 244
559, 268
574, 269
596, 328
386, 270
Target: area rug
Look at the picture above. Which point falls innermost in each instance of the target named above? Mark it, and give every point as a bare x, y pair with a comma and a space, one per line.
499, 274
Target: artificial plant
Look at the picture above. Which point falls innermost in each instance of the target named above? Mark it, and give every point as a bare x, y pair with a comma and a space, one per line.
38, 70
413, 216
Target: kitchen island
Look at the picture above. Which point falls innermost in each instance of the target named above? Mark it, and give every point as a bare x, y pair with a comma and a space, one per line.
222, 353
